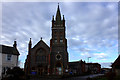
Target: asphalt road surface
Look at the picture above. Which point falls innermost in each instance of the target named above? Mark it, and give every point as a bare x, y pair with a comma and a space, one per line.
72, 78
84, 77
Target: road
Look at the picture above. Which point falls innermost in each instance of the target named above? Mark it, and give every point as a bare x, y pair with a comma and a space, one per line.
92, 75
84, 77
73, 78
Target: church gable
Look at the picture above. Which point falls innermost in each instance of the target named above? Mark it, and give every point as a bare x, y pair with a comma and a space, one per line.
40, 53
40, 44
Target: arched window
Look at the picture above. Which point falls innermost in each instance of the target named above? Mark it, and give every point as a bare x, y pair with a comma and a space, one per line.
41, 56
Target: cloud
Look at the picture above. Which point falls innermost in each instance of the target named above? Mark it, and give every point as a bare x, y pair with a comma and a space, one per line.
101, 56
95, 57
94, 29
106, 64
91, 27
85, 54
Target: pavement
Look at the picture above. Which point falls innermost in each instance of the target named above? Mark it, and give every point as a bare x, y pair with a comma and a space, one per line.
92, 75
84, 77
72, 78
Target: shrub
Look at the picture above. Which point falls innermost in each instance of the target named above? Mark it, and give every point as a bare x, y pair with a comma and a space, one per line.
14, 74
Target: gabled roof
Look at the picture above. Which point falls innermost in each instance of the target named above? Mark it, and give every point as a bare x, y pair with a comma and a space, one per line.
41, 42
117, 62
8, 50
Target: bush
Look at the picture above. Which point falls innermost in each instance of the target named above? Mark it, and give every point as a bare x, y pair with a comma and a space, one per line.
14, 74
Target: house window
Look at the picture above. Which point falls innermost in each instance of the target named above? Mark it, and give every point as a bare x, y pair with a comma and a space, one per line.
55, 36
9, 57
55, 40
61, 36
61, 40
39, 55
55, 31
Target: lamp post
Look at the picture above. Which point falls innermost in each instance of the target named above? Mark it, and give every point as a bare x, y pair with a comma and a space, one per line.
88, 59
88, 65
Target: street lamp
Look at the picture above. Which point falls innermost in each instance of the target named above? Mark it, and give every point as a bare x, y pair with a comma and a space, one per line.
88, 59
88, 65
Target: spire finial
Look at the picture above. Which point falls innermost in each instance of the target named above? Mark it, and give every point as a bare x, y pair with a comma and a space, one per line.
41, 38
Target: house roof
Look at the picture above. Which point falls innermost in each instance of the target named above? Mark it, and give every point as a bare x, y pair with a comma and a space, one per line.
76, 63
117, 62
8, 50
93, 63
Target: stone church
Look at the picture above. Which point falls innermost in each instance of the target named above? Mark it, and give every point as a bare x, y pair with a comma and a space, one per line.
53, 60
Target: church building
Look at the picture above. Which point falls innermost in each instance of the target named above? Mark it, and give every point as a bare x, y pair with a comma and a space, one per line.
53, 60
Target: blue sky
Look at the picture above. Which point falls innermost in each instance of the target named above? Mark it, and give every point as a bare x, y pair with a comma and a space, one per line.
91, 28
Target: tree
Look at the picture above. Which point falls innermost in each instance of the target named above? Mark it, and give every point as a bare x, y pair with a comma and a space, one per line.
15, 74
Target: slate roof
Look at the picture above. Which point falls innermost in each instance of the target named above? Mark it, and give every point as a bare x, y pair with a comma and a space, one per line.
8, 50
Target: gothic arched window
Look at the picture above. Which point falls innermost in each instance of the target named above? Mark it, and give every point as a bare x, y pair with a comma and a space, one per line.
41, 56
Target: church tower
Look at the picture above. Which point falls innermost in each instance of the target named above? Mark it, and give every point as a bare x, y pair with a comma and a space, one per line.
58, 45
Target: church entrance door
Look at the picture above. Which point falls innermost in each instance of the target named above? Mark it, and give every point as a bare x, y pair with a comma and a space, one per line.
40, 71
58, 69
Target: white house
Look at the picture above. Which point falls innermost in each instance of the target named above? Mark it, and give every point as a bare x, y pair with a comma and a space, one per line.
8, 58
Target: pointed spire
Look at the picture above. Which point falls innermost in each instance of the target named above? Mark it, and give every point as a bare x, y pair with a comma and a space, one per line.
29, 46
53, 18
63, 17
58, 15
30, 42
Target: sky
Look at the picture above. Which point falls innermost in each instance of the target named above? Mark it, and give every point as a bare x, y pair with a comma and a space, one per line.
91, 28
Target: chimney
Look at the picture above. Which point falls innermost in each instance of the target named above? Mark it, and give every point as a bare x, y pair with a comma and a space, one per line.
15, 44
